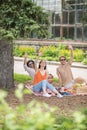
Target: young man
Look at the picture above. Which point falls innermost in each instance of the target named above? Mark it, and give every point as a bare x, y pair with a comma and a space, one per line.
64, 72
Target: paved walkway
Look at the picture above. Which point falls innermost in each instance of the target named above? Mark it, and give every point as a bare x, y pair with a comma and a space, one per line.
78, 69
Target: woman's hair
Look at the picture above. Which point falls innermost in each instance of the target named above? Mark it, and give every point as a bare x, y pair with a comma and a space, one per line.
29, 61
40, 65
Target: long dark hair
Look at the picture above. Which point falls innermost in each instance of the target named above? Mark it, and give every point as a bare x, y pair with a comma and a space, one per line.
40, 65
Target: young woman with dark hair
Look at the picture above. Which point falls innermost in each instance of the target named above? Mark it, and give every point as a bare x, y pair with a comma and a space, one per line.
40, 83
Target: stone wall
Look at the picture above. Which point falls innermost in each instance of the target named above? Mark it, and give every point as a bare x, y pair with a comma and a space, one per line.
6, 64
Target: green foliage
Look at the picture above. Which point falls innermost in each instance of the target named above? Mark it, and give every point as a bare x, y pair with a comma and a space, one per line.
50, 53
49, 58
78, 54
55, 80
20, 78
85, 54
23, 18
61, 46
36, 116
84, 61
76, 122
6, 35
20, 50
25, 116
63, 123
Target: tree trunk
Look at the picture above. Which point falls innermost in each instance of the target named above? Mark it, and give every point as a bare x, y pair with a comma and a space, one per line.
6, 64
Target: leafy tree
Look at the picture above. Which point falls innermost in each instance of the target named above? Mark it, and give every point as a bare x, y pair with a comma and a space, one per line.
23, 18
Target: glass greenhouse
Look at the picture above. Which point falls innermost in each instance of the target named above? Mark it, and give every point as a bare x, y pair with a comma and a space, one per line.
66, 18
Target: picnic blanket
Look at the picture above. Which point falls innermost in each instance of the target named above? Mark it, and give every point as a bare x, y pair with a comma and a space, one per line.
35, 93
66, 92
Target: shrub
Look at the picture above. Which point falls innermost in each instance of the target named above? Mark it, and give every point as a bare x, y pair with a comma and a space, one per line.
85, 61
64, 52
20, 50
61, 46
33, 116
76, 122
49, 52
78, 55
36, 116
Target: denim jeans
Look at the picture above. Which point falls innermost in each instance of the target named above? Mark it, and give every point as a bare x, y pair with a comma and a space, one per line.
41, 85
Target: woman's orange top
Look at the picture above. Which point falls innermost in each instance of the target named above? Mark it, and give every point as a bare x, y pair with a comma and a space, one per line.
39, 77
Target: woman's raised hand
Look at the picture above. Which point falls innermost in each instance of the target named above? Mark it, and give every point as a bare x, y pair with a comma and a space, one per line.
40, 53
25, 55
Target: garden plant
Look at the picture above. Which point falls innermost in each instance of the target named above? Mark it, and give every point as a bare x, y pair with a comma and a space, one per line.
50, 53
30, 115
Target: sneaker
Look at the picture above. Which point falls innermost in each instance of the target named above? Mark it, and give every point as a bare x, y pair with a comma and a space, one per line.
46, 95
59, 95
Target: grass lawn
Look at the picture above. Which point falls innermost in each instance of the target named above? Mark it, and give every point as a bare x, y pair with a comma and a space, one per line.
20, 78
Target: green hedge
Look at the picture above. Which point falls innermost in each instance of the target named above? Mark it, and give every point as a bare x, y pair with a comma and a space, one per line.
50, 53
